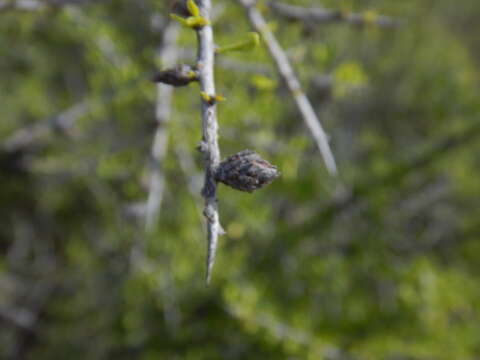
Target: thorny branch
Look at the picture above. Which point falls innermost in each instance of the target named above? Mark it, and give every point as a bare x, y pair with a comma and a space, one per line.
322, 16
160, 141
286, 71
209, 144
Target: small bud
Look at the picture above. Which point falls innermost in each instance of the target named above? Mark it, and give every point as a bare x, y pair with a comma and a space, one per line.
211, 99
180, 75
370, 17
219, 98
196, 22
187, 13
207, 98
246, 171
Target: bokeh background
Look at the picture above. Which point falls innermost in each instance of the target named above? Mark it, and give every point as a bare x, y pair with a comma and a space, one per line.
381, 262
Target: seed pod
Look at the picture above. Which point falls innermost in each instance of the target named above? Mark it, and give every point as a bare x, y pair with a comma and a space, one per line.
180, 75
246, 171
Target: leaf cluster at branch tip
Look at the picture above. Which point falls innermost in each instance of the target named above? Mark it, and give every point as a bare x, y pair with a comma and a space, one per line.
194, 21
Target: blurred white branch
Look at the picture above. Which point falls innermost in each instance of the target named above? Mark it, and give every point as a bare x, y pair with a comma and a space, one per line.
168, 54
20, 5
319, 16
63, 122
31, 5
286, 71
192, 175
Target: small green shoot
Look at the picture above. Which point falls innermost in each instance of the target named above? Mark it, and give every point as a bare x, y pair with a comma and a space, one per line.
250, 43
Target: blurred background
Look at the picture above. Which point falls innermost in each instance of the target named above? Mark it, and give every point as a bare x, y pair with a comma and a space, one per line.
381, 262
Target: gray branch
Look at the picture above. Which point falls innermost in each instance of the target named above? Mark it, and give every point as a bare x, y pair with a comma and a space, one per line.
18, 317
319, 16
168, 55
286, 71
32, 5
209, 144
41, 132
62, 123
27, 5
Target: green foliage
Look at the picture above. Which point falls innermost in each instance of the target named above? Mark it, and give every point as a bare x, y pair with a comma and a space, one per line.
381, 263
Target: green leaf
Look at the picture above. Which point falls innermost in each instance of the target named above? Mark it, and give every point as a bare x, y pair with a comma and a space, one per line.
252, 41
193, 8
179, 19
196, 21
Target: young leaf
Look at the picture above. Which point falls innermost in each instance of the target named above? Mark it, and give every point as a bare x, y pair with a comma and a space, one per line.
196, 21
179, 19
251, 42
193, 8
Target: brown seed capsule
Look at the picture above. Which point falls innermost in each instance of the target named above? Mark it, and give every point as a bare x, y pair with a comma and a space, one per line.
246, 171
180, 75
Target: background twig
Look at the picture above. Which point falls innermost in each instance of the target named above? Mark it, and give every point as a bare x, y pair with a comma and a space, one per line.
160, 142
31, 5
319, 16
286, 71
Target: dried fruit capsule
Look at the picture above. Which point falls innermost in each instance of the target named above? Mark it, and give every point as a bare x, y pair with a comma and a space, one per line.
180, 75
246, 171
